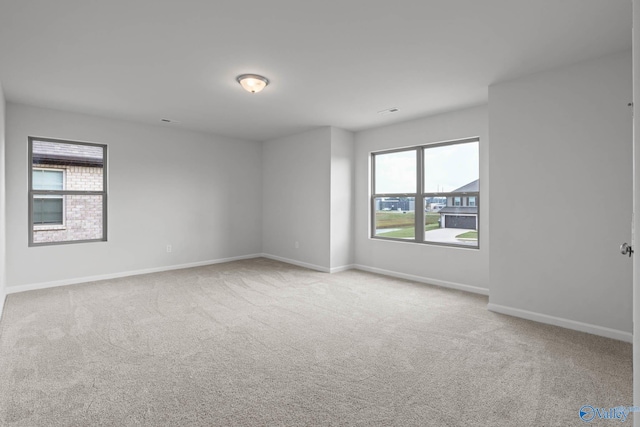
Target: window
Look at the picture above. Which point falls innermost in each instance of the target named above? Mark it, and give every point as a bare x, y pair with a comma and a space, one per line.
67, 192
48, 179
435, 178
48, 209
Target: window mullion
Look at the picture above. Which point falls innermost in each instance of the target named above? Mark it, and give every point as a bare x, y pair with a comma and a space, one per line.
372, 218
419, 200
69, 192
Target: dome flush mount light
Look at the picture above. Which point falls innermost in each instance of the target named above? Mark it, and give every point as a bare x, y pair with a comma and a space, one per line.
252, 83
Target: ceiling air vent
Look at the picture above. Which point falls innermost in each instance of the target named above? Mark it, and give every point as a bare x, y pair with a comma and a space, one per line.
389, 111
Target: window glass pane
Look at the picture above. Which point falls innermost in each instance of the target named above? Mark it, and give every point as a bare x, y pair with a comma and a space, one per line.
47, 210
448, 195
395, 172
434, 204
79, 217
395, 217
48, 179
457, 225
84, 165
451, 168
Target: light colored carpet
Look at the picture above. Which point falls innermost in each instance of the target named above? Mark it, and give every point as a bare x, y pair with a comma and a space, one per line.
262, 343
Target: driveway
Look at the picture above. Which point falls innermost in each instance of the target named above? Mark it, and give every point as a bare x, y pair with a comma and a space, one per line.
448, 235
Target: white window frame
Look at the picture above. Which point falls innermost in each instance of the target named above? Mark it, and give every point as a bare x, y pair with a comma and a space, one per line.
47, 227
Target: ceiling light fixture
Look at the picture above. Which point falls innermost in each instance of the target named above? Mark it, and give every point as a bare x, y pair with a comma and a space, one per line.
252, 82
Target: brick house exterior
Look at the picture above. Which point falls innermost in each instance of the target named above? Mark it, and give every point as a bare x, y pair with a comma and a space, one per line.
82, 215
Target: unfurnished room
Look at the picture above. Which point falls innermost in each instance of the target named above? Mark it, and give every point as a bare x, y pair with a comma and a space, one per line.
289, 213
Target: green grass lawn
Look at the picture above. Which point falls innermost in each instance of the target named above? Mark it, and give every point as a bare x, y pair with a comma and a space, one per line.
432, 219
388, 219
402, 233
398, 219
401, 225
404, 222
468, 235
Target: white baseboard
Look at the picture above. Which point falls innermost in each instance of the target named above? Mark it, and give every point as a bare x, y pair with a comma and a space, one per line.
308, 265
443, 283
342, 268
564, 323
65, 282
3, 298
298, 263
516, 312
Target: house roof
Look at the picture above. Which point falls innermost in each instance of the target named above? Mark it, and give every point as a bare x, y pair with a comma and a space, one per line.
468, 210
471, 187
59, 153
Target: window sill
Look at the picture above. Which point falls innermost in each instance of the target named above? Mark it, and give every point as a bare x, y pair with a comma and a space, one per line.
428, 243
49, 227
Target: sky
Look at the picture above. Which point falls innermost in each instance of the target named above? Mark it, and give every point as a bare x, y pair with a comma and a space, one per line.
446, 168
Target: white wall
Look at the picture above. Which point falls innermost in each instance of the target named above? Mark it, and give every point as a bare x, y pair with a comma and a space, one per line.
447, 266
342, 198
198, 192
3, 261
296, 182
636, 207
560, 167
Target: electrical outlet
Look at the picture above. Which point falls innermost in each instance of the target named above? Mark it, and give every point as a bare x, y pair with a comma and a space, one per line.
168, 248
296, 244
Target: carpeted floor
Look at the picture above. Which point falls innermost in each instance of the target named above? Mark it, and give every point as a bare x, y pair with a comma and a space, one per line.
262, 343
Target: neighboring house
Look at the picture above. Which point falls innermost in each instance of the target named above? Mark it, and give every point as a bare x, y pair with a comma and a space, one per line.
461, 211
59, 167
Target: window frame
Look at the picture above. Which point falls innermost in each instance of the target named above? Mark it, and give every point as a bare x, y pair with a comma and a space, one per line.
31, 193
419, 196
61, 226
